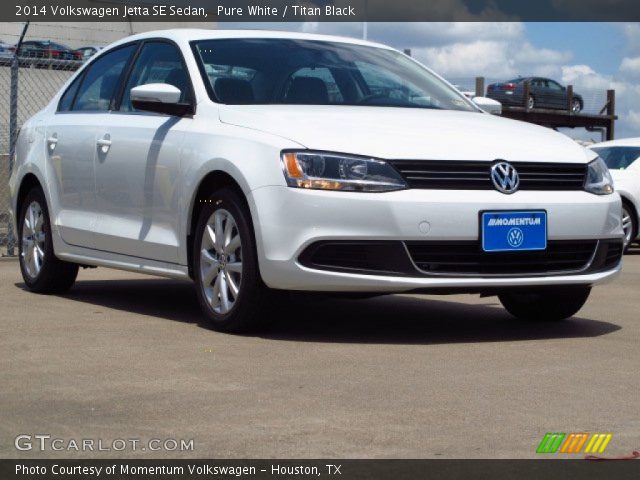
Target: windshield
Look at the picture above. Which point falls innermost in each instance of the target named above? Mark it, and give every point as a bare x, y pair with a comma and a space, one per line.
618, 158
286, 71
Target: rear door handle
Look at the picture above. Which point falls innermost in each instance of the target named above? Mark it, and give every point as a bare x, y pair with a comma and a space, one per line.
104, 143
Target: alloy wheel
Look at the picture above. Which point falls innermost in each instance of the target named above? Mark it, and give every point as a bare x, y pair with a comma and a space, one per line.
221, 261
575, 106
33, 239
531, 103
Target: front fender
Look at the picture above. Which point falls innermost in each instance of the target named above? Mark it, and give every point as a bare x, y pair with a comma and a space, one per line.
249, 157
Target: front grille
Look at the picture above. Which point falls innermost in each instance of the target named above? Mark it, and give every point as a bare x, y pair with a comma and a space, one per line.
468, 258
614, 255
368, 257
473, 175
456, 258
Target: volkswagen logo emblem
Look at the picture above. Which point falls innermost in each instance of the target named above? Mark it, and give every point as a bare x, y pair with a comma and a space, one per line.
515, 237
505, 178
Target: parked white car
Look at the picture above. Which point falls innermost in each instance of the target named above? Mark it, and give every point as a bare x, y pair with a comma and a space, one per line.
621, 156
261, 161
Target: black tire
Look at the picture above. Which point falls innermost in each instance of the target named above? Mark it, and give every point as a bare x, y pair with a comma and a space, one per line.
628, 210
546, 305
250, 307
54, 275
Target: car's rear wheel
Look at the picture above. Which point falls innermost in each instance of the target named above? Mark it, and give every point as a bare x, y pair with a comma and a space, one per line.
546, 305
41, 270
629, 225
531, 102
576, 106
230, 290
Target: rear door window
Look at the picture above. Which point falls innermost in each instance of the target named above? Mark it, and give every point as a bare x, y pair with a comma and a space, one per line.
101, 81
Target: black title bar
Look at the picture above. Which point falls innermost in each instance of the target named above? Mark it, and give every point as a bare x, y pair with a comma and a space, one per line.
319, 10
312, 469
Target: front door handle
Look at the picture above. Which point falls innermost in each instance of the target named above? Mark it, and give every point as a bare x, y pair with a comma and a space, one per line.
104, 143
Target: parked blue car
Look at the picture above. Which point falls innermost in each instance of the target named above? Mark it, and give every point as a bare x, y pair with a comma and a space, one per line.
543, 93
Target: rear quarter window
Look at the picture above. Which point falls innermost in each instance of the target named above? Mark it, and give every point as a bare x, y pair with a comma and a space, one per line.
66, 101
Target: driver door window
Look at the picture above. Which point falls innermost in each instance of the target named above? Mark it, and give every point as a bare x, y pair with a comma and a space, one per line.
158, 62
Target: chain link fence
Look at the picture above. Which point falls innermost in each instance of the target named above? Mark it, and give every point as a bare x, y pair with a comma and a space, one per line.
29, 77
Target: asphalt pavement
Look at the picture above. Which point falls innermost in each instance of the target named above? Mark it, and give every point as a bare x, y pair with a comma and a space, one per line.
125, 356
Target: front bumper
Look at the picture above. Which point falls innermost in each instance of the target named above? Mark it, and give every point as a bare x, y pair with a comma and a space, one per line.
289, 220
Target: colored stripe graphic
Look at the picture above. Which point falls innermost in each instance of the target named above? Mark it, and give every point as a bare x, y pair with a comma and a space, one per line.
574, 443
554, 442
598, 443
550, 442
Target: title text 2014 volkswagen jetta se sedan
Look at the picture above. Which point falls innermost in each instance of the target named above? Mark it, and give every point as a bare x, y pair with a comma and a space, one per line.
254, 162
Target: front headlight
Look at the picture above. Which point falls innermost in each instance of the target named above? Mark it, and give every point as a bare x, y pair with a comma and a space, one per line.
332, 171
599, 179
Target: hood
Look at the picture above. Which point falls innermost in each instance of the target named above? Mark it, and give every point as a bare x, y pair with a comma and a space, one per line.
405, 133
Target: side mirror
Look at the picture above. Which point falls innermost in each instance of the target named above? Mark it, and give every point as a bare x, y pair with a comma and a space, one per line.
159, 98
489, 105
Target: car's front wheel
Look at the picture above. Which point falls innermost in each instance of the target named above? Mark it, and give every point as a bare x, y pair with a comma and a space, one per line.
225, 265
546, 305
41, 270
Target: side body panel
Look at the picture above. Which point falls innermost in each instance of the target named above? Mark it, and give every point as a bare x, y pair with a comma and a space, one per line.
69, 144
138, 185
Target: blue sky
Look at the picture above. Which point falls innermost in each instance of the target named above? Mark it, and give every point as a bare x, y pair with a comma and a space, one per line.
600, 45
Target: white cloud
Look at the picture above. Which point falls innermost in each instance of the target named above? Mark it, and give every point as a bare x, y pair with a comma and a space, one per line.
466, 59
492, 59
593, 86
420, 35
630, 66
586, 77
633, 117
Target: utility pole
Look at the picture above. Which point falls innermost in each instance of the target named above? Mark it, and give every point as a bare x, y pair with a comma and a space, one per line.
365, 24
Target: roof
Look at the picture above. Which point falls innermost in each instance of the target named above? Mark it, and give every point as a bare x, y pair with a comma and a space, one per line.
181, 35
622, 142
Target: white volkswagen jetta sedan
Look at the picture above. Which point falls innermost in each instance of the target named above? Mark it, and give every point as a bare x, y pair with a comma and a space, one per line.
254, 162
621, 156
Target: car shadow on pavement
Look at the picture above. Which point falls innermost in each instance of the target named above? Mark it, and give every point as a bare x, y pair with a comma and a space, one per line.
391, 319
633, 250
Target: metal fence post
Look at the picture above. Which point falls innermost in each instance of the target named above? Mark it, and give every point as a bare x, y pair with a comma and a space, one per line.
570, 98
480, 87
611, 113
13, 128
13, 125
